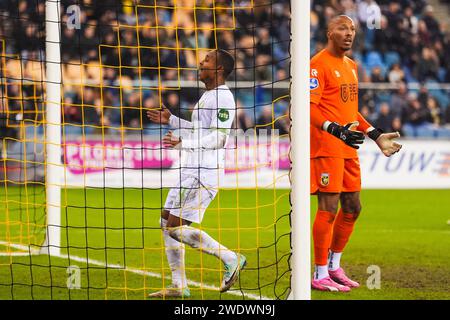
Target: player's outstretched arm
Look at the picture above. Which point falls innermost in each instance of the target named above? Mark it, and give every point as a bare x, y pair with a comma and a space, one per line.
164, 116
385, 141
161, 116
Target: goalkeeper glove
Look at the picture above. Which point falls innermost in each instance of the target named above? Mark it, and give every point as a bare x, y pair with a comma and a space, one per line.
346, 134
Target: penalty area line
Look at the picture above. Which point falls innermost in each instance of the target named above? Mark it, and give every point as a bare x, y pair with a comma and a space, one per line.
27, 251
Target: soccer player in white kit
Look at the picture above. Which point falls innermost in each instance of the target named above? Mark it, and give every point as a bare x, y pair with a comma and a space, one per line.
202, 141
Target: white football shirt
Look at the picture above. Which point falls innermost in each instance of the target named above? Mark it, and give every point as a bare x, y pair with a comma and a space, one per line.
203, 139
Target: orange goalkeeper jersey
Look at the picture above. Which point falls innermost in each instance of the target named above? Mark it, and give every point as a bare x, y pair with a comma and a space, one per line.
334, 91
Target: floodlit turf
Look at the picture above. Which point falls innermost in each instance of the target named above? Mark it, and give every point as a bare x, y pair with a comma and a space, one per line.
121, 228
403, 232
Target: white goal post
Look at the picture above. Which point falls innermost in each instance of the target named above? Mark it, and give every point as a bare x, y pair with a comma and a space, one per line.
300, 176
53, 166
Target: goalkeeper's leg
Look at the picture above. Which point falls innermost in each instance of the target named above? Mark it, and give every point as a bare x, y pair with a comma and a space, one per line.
342, 230
322, 235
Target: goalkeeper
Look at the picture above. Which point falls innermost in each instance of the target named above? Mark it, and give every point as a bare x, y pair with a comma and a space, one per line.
202, 141
335, 170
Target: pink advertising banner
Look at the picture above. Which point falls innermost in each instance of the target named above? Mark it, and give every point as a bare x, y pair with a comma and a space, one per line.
97, 155
250, 156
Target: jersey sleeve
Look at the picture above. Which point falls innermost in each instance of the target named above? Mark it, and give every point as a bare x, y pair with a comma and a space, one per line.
223, 111
223, 114
317, 118
316, 82
364, 125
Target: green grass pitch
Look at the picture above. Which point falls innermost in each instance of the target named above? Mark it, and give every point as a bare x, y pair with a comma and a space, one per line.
403, 232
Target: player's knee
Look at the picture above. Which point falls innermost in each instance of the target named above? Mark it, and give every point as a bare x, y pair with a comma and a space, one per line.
354, 208
330, 207
174, 233
179, 233
333, 208
358, 210
351, 203
329, 202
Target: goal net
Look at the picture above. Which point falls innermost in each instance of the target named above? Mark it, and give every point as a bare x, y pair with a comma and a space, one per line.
80, 213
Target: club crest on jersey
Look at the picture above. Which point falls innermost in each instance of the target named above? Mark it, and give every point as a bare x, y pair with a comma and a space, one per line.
344, 92
325, 179
313, 83
223, 115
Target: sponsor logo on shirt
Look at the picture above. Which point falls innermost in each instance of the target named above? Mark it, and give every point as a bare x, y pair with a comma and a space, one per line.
223, 115
313, 83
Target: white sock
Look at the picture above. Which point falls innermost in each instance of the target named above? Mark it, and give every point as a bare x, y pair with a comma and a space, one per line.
199, 239
334, 260
175, 257
320, 272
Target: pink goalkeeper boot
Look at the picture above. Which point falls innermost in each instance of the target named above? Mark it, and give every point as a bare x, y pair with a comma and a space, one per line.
327, 284
340, 277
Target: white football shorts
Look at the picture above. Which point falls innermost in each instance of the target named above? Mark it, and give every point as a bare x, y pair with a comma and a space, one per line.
189, 199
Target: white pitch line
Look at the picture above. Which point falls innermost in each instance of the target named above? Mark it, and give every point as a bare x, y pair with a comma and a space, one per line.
14, 254
29, 250
26, 250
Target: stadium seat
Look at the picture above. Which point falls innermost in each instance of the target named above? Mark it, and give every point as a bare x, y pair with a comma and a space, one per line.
409, 76
427, 131
373, 59
409, 130
369, 39
358, 57
442, 72
444, 133
391, 58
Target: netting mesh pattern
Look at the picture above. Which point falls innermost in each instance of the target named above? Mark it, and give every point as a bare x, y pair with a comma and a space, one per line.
118, 60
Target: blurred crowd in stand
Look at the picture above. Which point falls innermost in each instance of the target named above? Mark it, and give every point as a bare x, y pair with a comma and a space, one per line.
110, 64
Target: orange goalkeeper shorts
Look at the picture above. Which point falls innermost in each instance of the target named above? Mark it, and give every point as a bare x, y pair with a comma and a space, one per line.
335, 175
